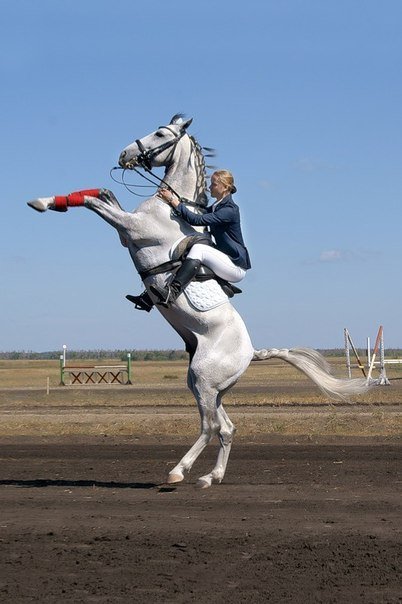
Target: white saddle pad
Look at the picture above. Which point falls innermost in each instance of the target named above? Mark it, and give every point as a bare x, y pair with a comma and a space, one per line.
205, 295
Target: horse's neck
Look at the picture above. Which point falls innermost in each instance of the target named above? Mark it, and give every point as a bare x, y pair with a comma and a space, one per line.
155, 231
181, 174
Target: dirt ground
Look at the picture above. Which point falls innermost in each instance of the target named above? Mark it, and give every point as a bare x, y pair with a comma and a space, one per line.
296, 520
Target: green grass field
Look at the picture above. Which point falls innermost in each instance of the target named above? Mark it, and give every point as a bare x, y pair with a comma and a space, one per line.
271, 397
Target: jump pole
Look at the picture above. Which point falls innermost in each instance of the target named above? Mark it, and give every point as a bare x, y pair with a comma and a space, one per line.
347, 352
64, 369
62, 383
379, 346
129, 368
348, 340
376, 347
383, 380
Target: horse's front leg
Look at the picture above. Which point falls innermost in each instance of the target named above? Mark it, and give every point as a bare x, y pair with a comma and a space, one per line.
101, 201
60, 203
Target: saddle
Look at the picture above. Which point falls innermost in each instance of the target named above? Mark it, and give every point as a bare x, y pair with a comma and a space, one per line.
179, 253
205, 273
181, 250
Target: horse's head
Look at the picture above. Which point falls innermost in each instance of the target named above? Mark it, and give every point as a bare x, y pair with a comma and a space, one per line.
157, 148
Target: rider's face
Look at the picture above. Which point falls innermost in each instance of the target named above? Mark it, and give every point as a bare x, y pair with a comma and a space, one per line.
217, 189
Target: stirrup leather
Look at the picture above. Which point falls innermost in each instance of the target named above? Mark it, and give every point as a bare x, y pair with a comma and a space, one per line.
165, 295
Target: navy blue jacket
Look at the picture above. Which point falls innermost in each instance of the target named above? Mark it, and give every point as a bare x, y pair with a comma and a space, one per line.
224, 225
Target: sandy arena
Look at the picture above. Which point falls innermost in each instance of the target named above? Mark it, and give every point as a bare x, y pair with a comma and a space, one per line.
309, 511
90, 520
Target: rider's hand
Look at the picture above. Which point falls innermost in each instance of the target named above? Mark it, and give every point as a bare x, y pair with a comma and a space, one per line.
169, 197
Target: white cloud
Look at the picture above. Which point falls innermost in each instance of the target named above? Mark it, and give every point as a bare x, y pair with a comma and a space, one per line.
310, 164
266, 184
331, 256
348, 255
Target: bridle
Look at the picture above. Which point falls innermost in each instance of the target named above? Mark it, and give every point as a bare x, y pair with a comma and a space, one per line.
145, 158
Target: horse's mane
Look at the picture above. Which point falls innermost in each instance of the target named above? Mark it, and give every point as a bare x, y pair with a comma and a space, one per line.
200, 196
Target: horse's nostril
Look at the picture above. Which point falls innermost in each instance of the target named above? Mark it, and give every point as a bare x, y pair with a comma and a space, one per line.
121, 158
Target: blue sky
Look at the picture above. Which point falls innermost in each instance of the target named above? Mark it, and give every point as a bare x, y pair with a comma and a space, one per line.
302, 101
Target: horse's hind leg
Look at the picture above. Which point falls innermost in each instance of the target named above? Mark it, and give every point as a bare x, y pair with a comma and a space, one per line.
226, 434
210, 426
186, 463
213, 421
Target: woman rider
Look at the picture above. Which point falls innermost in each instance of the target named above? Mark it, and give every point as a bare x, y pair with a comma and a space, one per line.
229, 259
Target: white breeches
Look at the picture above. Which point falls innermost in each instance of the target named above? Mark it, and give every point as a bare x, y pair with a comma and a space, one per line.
217, 261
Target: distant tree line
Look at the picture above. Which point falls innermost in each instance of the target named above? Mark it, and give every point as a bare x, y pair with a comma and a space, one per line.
153, 355
136, 355
393, 353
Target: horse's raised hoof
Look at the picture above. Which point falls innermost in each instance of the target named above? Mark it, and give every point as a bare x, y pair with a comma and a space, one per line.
40, 205
203, 483
174, 478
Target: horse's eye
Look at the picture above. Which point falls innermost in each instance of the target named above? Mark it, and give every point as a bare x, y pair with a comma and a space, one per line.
159, 134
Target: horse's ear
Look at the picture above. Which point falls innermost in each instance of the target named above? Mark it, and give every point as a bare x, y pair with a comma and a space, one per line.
179, 120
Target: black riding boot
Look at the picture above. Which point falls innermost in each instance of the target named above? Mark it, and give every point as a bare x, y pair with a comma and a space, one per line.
169, 293
142, 302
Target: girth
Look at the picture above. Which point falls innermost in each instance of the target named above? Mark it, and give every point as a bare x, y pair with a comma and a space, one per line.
165, 267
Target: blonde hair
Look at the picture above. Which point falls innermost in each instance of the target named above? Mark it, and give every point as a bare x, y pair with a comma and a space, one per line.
226, 179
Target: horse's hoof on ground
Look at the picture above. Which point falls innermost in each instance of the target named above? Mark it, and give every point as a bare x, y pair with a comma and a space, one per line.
202, 483
173, 478
39, 205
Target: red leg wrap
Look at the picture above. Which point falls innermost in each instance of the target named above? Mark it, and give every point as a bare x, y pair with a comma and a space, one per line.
60, 203
77, 197
90, 192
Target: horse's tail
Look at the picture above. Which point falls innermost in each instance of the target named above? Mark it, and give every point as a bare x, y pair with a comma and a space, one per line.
313, 364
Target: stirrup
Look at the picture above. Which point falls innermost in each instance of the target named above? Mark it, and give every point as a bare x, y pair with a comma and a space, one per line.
140, 302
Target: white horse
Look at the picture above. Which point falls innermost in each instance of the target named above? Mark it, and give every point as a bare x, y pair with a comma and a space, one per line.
216, 339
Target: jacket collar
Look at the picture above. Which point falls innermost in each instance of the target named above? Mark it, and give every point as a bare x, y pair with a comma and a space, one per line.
223, 201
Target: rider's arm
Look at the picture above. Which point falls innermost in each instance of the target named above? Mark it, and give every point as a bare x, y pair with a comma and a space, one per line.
222, 215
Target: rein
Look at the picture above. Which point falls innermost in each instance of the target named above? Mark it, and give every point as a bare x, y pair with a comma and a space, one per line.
144, 160
161, 181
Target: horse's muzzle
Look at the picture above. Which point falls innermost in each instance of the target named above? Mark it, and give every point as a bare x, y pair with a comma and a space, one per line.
124, 162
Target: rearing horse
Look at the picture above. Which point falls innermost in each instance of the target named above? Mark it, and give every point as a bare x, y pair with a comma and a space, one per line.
217, 340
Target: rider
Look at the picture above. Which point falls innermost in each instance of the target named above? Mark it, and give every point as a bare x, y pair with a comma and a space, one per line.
228, 258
